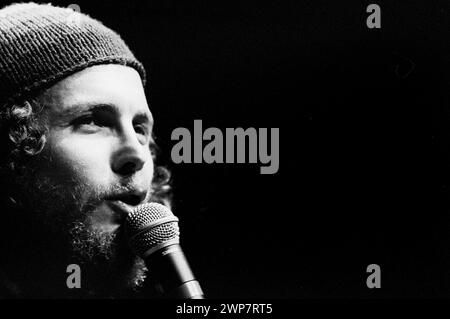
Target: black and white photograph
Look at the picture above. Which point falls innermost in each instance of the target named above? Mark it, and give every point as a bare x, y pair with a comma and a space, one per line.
241, 151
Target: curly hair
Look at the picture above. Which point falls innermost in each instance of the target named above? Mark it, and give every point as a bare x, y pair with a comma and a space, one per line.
22, 137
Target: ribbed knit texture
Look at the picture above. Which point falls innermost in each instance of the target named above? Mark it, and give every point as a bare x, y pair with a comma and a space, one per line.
41, 44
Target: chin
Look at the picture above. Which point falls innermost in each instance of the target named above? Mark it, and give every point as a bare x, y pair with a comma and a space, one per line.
108, 266
103, 282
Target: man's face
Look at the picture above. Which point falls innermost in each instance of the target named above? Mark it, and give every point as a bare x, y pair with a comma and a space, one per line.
96, 166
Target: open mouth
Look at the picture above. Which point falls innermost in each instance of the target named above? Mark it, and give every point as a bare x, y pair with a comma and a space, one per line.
130, 199
123, 204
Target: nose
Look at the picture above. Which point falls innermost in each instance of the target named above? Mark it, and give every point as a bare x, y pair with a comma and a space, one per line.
130, 155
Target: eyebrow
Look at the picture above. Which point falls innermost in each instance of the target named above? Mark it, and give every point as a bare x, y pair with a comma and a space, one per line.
77, 109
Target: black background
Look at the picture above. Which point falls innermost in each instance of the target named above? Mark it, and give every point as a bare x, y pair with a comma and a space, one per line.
352, 105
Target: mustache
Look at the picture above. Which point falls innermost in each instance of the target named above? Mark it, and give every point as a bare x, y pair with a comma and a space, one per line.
99, 194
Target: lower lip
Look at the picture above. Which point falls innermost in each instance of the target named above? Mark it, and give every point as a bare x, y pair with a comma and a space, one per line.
120, 207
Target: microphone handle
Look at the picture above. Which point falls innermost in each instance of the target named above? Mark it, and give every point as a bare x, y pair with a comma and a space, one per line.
171, 275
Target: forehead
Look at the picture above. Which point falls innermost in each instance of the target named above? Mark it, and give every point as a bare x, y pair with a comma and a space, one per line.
116, 85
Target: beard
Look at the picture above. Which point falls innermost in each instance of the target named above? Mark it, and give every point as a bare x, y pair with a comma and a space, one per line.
109, 267
61, 217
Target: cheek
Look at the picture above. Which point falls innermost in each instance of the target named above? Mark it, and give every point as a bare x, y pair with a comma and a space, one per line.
85, 162
149, 169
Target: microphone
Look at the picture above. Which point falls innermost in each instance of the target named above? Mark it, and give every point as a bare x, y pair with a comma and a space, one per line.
153, 234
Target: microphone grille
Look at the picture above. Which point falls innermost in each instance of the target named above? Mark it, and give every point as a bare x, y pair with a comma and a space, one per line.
150, 225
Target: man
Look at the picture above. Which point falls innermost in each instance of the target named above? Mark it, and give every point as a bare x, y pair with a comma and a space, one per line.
76, 155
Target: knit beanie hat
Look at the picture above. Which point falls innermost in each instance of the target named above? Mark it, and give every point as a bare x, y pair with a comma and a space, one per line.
41, 44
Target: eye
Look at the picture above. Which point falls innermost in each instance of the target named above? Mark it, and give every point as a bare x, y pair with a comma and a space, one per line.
88, 123
141, 129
